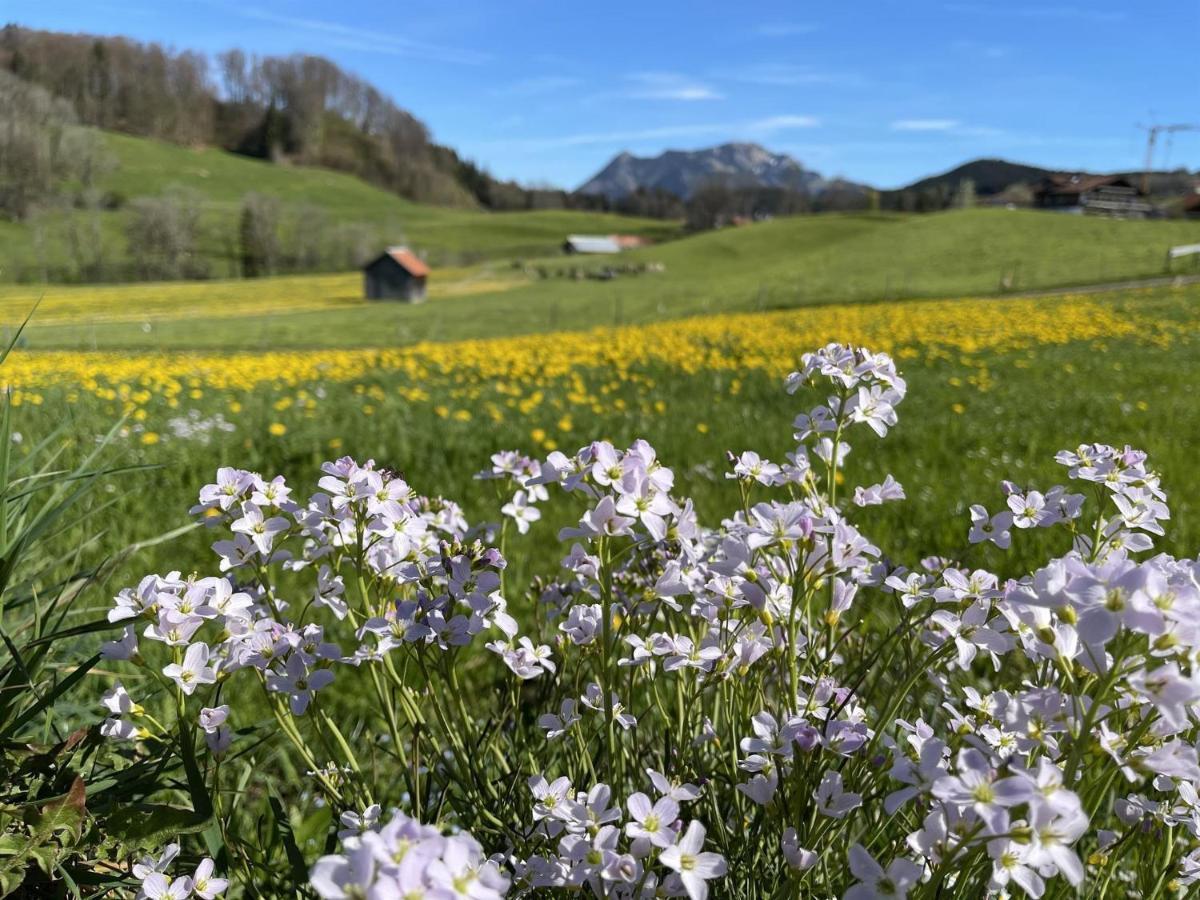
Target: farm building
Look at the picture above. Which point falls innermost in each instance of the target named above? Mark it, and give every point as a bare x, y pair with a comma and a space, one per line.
591, 243
1103, 195
1191, 204
396, 274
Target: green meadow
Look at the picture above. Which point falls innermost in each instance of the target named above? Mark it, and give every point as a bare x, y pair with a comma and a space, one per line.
958, 437
770, 265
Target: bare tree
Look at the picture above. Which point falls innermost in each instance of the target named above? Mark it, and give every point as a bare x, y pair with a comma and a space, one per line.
964, 194
351, 245
35, 152
258, 232
85, 239
305, 238
710, 206
164, 235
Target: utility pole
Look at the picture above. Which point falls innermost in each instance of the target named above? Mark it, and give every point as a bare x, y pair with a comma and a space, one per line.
1152, 133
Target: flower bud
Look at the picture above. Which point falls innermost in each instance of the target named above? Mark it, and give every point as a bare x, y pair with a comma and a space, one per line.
1166, 641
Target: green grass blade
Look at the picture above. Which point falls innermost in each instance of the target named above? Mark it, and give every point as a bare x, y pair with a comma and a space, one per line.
9, 732
17, 336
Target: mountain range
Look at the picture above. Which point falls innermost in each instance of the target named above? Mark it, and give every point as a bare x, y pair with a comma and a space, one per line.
743, 165
683, 172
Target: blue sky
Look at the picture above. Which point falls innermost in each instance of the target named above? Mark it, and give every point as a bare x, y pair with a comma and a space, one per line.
876, 90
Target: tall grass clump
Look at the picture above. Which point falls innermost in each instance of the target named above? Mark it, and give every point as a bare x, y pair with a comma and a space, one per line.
64, 814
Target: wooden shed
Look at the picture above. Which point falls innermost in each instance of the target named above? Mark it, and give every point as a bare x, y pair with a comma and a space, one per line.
396, 274
591, 243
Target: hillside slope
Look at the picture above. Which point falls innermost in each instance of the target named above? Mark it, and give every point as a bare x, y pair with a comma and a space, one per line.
990, 176
308, 198
774, 265
998, 176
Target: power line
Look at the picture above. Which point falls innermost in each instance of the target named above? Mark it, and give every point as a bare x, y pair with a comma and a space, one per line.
1152, 133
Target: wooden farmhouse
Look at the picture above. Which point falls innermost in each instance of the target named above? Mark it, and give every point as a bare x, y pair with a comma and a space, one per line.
396, 274
1103, 195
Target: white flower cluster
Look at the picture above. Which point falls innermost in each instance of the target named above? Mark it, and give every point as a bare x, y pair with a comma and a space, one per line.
1139, 499
841, 725
519, 473
403, 858
196, 427
596, 852
157, 884
217, 626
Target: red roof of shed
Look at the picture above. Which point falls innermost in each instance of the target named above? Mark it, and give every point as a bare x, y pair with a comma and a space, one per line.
409, 261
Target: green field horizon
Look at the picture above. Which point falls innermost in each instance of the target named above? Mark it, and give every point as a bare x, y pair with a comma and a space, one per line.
780, 264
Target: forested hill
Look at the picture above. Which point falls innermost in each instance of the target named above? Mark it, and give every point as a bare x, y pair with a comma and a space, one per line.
299, 108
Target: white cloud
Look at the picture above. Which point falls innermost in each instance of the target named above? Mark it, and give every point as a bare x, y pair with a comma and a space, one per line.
977, 48
949, 127
772, 124
368, 40
764, 127
670, 86
925, 125
1004, 10
775, 74
584, 139
684, 93
784, 29
985, 131
537, 85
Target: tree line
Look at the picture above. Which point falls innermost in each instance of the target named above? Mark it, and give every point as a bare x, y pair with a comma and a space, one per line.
717, 203
178, 235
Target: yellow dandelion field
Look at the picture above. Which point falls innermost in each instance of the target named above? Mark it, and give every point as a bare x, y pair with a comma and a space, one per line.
769, 342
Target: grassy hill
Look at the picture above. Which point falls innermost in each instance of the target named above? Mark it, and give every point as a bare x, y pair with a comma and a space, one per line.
991, 176
148, 168
773, 265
